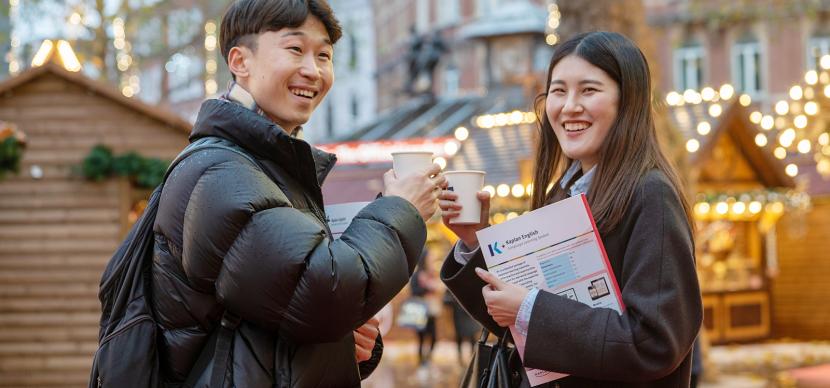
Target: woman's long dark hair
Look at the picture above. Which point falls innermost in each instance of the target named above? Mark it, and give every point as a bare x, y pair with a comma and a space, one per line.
631, 148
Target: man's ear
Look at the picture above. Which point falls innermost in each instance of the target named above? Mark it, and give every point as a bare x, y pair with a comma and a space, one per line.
238, 58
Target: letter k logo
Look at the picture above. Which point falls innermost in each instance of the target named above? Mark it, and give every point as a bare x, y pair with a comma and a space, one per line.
494, 248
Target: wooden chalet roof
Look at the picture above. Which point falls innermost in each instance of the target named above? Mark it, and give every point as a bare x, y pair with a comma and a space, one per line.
730, 130
101, 88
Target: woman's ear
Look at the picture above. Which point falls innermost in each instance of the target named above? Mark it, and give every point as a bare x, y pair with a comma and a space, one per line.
238, 58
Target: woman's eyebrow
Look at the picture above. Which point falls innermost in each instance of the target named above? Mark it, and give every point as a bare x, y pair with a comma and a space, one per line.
583, 82
591, 81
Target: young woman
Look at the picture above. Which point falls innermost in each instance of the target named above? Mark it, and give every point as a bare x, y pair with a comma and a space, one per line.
597, 137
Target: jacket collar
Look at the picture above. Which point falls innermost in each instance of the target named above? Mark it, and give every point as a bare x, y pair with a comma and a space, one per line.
262, 137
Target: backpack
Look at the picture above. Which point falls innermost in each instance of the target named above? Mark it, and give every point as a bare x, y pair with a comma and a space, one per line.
127, 354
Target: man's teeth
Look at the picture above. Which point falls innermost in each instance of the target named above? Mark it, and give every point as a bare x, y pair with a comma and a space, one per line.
303, 93
576, 126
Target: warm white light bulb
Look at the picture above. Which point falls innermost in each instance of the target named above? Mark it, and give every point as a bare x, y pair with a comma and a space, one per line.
791, 170
692, 145
760, 140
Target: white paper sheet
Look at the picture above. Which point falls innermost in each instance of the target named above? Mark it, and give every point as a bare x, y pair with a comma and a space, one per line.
340, 216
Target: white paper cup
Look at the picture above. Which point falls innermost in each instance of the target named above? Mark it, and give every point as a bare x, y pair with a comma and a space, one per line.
466, 184
412, 162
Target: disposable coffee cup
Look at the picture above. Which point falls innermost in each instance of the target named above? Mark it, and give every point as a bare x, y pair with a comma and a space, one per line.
411, 162
466, 184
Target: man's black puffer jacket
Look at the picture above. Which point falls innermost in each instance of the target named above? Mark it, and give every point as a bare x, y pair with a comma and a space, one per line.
228, 236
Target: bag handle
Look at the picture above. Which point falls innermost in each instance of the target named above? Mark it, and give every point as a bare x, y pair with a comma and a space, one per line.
473, 365
498, 371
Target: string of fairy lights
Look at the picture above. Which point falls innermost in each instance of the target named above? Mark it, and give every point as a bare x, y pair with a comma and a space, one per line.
554, 17
11, 56
211, 65
751, 205
786, 131
129, 83
754, 204
748, 206
794, 128
129, 78
503, 190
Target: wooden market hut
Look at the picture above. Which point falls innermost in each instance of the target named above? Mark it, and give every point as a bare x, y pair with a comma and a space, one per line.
745, 261
58, 230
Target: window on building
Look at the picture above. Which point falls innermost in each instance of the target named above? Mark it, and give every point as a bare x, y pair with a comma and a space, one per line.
448, 12
185, 76
452, 80
329, 120
816, 48
352, 51
746, 67
541, 57
688, 67
422, 15
184, 25
487, 7
355, 108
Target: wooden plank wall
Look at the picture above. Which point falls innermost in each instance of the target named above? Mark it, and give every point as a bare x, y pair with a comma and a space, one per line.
57, 233
801, 292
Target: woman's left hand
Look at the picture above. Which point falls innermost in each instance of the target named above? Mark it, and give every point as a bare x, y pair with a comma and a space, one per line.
503, 299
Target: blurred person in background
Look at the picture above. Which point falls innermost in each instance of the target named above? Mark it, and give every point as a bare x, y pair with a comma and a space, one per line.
466, 328
425, 284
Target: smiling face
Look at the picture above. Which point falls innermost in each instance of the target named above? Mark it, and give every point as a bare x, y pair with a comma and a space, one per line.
581, 106
288, 72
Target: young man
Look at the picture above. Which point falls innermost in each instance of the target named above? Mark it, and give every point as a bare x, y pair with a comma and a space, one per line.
251, 238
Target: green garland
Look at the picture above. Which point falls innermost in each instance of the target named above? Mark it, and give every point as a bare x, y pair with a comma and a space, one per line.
11, 151
143, 172
791, 199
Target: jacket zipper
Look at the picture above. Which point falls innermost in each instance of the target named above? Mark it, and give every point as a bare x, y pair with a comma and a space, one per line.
106, 339
320, 216
129, 324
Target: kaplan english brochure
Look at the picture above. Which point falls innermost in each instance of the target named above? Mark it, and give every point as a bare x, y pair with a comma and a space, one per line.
556, 248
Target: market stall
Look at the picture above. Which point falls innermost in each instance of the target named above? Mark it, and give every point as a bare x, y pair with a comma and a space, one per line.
740, 191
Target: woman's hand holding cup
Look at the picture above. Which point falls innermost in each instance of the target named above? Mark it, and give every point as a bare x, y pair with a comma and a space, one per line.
451, 208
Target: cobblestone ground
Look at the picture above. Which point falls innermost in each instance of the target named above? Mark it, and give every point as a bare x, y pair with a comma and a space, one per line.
399, 367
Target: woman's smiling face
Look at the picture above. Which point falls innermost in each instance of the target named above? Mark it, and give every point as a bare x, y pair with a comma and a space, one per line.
581, 106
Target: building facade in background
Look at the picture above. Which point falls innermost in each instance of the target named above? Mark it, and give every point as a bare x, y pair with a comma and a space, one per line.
179, 60
761, 48
352, 100
487, 44
775, 55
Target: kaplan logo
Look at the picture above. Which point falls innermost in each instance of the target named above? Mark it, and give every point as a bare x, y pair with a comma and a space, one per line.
494, 248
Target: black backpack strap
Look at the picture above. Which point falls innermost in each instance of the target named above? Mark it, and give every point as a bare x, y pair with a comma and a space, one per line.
217, 349
223, 349
207, 143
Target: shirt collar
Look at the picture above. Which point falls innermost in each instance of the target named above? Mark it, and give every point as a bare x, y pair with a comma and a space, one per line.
582, 184
239, 95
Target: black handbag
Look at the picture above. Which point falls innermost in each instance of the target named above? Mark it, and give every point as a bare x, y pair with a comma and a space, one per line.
494, 365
